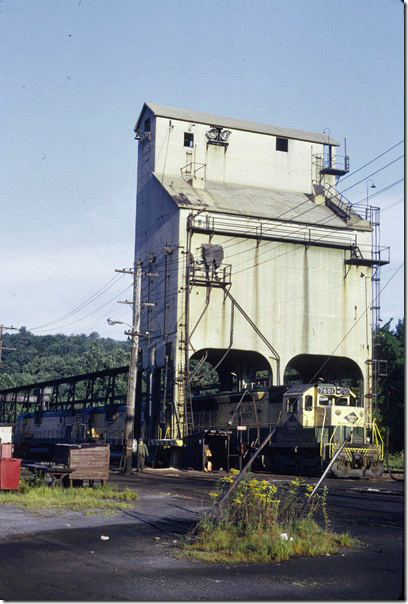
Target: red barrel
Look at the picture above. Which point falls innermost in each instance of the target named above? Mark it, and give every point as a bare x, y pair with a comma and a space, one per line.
9, 473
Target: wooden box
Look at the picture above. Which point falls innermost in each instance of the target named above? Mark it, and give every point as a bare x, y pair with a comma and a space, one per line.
88, 461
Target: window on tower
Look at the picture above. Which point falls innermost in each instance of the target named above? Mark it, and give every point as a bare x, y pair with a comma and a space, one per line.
282, 144
188, 139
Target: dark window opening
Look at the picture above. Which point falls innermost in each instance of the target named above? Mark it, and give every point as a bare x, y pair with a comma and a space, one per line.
292, 405
282, 144
146, 127
308, 402
188, 139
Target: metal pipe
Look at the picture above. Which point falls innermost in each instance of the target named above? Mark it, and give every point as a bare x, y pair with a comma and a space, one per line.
327, 470
231, 339
257, 331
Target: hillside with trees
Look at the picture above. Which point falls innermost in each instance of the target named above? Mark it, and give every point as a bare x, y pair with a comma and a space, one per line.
391, 391
41, 358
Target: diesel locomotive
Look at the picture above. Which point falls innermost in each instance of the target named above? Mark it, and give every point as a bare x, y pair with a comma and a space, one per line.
309, 422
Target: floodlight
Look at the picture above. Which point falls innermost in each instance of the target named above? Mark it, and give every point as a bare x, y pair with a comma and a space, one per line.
212, 134
224, 136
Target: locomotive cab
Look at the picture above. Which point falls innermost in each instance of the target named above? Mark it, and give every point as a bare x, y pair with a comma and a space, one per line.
314, 422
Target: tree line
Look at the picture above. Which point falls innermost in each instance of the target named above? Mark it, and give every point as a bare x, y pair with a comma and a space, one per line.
391, 387
42, 358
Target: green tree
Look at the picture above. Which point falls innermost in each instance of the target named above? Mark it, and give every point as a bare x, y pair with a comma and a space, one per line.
391, 387
42, 358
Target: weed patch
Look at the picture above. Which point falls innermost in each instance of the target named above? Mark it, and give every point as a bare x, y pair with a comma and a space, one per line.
261, 523
396, 461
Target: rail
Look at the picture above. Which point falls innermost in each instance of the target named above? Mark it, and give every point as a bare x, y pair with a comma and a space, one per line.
327, 162
338, 202
252, 228
190, 170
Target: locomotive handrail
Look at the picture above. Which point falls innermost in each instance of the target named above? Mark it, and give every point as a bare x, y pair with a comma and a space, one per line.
331, 444
321, 436
378, 438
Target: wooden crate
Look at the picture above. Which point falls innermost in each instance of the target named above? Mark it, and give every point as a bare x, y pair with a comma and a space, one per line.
87, 461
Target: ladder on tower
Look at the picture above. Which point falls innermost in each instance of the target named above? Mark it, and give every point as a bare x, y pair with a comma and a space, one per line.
378, 366
184, 401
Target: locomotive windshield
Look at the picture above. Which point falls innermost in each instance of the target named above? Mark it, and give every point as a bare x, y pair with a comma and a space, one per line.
325, 400
342, 401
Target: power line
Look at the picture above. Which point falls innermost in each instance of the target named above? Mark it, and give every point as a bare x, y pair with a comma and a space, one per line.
101, 320
355, 323
396, 203
241, 235
88, 301
274, 249
321, 222
311, 198
372, 161
380, 191
91, 313
372, 174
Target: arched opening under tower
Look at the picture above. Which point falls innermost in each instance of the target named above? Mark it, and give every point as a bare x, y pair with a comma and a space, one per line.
308, 368
236, 369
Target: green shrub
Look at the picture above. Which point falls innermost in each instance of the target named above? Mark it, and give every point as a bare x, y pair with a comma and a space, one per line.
396, 461
263, 523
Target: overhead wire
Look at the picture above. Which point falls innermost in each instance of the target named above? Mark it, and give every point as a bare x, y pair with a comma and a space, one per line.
356, 322
321, 222
372, 174
371, 162
91, 313
296, 247
173, 292
392, 205
88, 301
296, 217
310, 198
101, 320
161, 309
396, 182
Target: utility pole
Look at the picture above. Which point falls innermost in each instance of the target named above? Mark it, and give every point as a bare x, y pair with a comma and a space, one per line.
134, 333
132, 380
2, 329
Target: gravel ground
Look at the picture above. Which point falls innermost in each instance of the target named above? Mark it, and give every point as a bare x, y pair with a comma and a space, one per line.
135, 555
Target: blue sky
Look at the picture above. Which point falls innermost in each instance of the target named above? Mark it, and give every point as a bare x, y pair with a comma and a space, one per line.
75, 74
